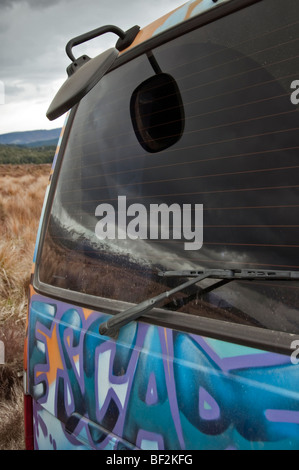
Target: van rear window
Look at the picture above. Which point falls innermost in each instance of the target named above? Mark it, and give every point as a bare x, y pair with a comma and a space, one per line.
207, 177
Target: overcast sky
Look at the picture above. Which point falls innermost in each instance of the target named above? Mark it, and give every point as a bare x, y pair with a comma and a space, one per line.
33, 35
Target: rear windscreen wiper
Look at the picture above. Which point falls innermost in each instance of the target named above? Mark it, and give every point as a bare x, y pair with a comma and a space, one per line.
235, 274
111, 327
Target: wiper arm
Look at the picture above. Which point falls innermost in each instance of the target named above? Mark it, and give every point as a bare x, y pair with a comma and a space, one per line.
111, 327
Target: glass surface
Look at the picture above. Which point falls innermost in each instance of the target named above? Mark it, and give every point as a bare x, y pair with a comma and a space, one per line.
237, 159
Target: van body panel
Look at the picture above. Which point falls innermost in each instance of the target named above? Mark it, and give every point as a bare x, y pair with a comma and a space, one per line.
99, 393
162, 384
170, 20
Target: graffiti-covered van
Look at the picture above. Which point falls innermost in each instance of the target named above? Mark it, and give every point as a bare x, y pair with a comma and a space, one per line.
163, 309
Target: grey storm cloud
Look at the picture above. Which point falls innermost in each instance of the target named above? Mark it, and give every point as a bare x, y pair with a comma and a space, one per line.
34, 33
31, 3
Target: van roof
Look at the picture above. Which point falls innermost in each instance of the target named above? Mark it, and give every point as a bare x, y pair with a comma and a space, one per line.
92, 71
173, 18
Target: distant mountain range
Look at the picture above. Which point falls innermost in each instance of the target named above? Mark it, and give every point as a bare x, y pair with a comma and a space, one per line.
38, 138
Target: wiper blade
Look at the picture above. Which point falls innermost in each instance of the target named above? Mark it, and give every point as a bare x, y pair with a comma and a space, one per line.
111, 327
235, 274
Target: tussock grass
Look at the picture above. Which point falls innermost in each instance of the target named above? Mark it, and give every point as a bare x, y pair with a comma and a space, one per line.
11, 410
22, 189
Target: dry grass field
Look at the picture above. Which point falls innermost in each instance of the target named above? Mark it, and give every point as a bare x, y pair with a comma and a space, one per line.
22, 189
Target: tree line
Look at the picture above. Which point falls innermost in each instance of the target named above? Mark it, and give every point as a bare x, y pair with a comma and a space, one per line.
13, 154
